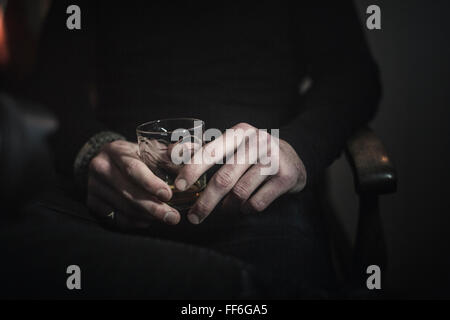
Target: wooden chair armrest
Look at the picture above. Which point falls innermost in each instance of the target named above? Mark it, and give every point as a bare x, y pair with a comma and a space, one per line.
373, 171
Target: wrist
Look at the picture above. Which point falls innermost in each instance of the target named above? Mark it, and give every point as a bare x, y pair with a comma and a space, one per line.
89, 150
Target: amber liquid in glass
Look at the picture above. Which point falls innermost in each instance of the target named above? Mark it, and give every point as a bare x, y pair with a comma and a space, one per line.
183, 200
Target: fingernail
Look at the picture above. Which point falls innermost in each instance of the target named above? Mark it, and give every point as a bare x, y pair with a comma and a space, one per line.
193, 218
163, 193
181, 184
171, 217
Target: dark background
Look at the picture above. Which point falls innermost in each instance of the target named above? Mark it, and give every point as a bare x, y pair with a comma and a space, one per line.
413, 52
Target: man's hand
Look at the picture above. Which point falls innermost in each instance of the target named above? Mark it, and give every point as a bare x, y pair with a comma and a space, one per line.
240, 183
120, 182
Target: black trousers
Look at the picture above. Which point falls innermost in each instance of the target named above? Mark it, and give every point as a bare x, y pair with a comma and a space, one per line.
280, 253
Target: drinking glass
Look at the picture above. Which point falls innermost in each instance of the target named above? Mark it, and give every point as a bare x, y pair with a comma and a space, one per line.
157, 140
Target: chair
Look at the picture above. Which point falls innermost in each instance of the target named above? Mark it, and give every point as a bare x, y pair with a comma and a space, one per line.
374, 175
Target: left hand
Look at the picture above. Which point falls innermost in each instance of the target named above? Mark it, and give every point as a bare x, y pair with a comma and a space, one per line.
240, 183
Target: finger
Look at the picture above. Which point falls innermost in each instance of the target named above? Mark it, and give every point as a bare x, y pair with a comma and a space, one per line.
212, 153
111, 217
268, 192
245, 187
115, 201
137, 172
221, 183
131, 200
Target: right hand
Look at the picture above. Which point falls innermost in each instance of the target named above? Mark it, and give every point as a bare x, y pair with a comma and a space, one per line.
119, 182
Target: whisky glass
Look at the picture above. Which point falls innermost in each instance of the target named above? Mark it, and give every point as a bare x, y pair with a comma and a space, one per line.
157, 141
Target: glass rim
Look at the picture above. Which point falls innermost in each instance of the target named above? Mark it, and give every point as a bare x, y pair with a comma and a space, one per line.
140, 130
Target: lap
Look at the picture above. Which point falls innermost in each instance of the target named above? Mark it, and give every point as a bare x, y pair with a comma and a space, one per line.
282, 250
287, 245
37, 249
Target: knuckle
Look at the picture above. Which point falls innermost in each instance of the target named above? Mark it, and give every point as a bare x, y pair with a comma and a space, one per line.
244, 126
202, 208
131, 166
240, 191
114, 145
257, 205
106, 148
146, 207
99, 165
110, 147
286, 178
223, 179
154, 209
148, 186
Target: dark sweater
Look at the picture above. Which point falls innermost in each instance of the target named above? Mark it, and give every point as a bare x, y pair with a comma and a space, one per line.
224, 63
